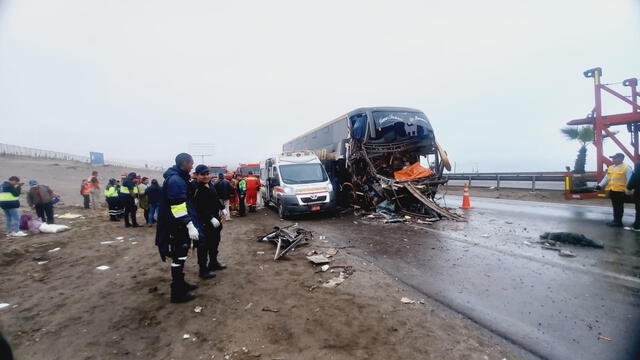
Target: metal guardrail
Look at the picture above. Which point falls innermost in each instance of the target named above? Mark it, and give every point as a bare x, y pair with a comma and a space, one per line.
15, 150
499, 177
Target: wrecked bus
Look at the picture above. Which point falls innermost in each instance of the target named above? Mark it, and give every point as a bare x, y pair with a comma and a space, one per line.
243, 169
363, 151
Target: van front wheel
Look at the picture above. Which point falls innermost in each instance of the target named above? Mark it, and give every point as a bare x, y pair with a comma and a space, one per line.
281, 211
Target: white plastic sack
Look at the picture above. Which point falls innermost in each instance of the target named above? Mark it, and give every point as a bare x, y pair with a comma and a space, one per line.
53, 228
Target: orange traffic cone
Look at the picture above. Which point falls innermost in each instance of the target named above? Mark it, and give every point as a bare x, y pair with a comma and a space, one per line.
466, 202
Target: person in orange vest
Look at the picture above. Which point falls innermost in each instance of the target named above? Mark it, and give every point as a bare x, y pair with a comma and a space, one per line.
253, 184
85, 191
615, 182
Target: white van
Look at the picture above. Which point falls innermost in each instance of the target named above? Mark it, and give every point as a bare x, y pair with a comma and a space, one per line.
296, 183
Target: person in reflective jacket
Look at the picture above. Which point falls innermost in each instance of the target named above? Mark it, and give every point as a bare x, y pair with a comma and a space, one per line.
178, 225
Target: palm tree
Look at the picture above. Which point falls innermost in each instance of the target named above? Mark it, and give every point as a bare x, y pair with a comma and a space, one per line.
585, 136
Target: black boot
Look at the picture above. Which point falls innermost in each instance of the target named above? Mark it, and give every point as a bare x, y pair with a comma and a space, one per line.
206, 273
180, 289
190, 287
214, 266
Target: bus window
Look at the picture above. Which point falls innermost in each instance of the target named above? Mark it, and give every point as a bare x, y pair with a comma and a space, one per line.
358, 126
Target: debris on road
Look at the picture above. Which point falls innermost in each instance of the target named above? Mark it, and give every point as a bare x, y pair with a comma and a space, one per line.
4, 305
249, 305
572, 238
601, 337
106, 242
332, 251
186, 336
120, 238
567, 253
285, 239
406, 300
318, 259
270, 309
486, 236
102, 267
198, 309
69, 216
54, 250
333, 282
52, 228
324, 268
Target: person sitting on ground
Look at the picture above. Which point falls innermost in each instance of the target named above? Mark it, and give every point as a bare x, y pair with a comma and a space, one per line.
85, 191
41, 197
10, 203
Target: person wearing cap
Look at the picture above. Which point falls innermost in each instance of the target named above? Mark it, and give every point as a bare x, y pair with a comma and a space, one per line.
40, 197
127, 196
208, 207
615, 182
178, 225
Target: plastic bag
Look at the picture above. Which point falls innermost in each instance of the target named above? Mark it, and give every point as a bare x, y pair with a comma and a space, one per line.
53, 228
34, 225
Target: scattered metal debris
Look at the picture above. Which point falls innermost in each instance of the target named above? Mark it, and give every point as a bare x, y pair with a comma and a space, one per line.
285, 239
270, 309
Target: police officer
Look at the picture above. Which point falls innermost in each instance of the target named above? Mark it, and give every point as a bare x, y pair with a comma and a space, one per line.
208, 207
178, 225
112, 197
615, 182
127, 196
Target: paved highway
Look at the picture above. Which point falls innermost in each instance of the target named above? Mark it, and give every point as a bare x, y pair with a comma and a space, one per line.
492, 270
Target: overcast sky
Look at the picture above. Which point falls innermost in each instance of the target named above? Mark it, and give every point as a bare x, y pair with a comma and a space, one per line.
141, 80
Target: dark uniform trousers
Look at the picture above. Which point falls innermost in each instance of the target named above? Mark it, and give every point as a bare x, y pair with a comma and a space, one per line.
208, 250
617, 201
130, 210
180, 244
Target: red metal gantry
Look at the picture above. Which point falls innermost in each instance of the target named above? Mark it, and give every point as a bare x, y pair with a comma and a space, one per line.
601, 124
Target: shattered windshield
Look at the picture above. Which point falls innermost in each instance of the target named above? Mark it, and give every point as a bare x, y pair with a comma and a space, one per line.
385, 118
302, 173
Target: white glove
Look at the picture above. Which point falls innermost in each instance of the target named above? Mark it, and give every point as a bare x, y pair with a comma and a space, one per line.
193, 232
628, 192
215, 222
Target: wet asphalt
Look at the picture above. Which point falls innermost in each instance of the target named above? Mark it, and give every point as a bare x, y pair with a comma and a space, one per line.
492, 270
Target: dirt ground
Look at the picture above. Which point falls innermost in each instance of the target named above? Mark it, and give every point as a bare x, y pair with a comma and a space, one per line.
62, 307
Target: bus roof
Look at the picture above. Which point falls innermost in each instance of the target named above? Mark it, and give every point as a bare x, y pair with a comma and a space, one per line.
353, 112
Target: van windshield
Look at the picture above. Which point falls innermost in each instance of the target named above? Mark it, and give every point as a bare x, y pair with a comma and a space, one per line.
302, 173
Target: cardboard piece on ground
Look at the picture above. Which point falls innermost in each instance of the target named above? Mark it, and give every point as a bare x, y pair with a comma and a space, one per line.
69, 216
318, 259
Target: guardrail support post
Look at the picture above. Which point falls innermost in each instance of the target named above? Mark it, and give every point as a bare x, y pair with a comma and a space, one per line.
469, 180
498, 182
533, 183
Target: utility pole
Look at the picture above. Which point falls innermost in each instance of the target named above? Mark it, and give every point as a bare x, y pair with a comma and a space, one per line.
202, 150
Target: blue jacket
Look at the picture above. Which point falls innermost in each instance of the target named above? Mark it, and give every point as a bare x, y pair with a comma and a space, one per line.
15, 190
171, 219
